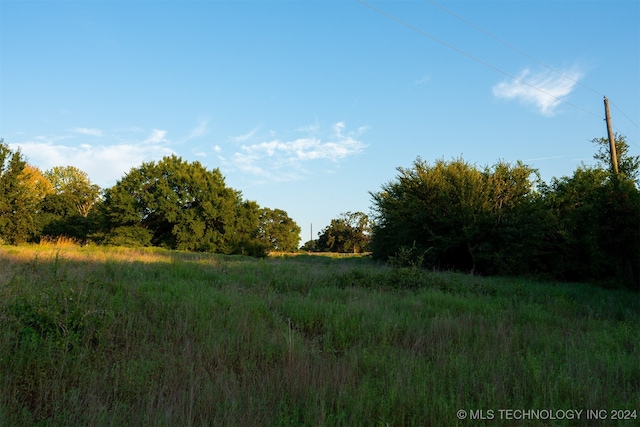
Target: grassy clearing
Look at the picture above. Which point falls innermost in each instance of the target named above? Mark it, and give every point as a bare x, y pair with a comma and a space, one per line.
109, 336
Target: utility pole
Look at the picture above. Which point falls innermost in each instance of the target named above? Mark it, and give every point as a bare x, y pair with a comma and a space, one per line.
612, 141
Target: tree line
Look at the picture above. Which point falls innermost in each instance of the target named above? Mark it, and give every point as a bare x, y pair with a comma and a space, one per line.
170, 203
497, 220
504, 220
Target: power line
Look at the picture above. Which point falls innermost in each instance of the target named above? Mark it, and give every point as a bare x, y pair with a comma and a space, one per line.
512, 47
623, 113
521, 52
468, 55
486, 64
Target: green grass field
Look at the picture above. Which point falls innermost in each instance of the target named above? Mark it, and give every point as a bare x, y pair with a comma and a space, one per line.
131, 337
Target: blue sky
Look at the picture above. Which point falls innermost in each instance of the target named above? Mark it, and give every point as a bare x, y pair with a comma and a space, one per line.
307, 106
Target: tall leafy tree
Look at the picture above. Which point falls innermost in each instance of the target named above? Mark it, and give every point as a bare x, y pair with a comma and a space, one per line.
437, 209
177, 204
37, 189
21, 191
67, 209
33, 178
505, 220
628, 165
348, 233
278, 231
74, 189
244, 231
455, 214
511, 238
596, 217
310, 245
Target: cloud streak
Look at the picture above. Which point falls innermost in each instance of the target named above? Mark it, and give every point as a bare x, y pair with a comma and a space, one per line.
266, 158
545, 90
88, 131
105, 164
199, 131
245, 137
424, 79
156, 137
285, 160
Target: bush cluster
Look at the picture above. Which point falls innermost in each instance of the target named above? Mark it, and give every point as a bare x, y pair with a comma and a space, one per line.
503, 220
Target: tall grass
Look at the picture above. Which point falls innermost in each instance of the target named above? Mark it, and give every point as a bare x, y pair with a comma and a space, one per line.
111, 336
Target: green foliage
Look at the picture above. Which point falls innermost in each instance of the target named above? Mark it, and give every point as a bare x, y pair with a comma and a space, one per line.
19, 199
628, 165
408, 257
503, 220
73, 190
348, 233
277, 231
457, 215
182, 205
113, 336
170, 203
250, 247
71, 208
596, 226
129, 236
310, 246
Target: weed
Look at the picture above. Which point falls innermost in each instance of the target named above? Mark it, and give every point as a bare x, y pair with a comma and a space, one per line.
143, 336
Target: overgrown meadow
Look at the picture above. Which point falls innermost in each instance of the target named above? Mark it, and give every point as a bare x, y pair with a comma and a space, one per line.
129, 337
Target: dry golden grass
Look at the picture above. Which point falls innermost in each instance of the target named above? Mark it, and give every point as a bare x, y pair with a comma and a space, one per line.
59, 241
49, 251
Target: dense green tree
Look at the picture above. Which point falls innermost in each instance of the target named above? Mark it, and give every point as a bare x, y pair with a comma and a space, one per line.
436, 209
596, 219
74, 188
34, 179
70, 208
573, 204
21, 190
620, 230
360, 230
595, 215
348, 233
181, 205
628, 165
310, 246
511, 235
505, 220
454, 215
36, 189
278, 231
243, 232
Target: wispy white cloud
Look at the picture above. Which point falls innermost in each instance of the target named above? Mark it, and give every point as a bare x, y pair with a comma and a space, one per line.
545, 90
104, 163
88, 131
156, 137
245, 137
285, 160
424, 79
268, 159
199, 131
310, 128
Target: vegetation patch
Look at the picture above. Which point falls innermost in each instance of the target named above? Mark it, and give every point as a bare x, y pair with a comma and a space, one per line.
147, 336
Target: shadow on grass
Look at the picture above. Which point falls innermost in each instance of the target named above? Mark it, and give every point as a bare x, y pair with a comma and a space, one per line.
111, 336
